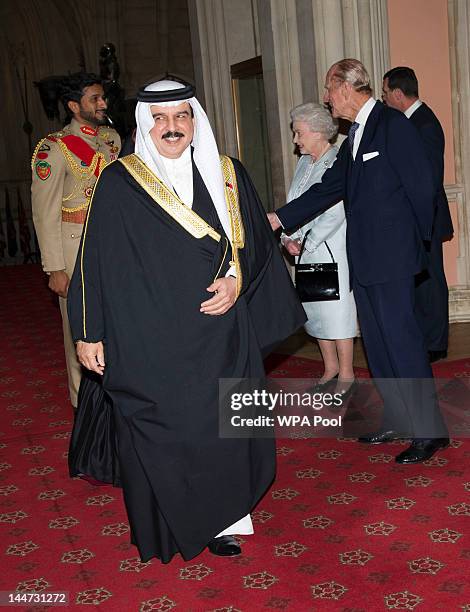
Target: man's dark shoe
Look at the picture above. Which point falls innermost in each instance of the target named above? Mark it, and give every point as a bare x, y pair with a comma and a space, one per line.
420, 450
225, 546
436, 355
379, 437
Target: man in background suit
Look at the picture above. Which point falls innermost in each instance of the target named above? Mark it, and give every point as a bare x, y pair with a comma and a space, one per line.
400, 91
386, 181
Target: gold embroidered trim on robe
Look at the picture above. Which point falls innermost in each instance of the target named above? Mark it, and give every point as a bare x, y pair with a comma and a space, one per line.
165, 198
82, 274
233, 205
85, 229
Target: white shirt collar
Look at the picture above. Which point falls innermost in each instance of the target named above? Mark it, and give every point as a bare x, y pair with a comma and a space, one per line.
365, 111
361, 119
206, 154
180, 174
409, 111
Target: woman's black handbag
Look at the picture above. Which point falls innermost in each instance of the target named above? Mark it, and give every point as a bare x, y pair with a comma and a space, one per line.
316, 282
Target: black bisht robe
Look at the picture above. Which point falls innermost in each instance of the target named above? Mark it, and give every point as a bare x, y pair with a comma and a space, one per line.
93, 443
138, 284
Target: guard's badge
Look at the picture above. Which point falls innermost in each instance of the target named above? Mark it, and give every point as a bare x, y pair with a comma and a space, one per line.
112, 147
86, 129
43, 170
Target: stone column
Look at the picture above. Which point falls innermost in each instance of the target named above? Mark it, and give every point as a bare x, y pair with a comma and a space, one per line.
306, 37
459, 38
329, 41
352, 28
288, 93
212, 70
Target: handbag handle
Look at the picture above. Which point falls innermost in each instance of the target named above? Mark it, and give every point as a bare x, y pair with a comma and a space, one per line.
303, 247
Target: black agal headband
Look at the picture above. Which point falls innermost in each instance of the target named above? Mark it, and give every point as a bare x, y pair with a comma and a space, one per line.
169, 95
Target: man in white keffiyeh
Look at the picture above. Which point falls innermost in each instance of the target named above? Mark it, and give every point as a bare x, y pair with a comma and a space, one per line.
170, 119
180, 285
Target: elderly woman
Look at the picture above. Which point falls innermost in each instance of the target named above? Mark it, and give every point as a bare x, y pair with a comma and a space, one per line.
332, 323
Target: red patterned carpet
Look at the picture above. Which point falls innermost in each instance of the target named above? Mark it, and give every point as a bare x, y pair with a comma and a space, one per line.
343, 528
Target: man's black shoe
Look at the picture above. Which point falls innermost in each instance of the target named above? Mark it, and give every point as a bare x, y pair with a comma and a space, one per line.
420, 450
225, 546
380, 437
436, 355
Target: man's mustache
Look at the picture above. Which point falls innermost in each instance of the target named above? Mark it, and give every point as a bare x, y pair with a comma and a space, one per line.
173, 135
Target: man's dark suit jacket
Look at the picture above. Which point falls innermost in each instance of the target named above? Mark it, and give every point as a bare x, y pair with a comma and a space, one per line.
388, 199
431, 132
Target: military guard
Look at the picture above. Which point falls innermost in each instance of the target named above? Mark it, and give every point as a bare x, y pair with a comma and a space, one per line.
66, 166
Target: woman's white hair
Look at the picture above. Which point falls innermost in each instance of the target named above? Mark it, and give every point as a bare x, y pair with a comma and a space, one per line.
317, 118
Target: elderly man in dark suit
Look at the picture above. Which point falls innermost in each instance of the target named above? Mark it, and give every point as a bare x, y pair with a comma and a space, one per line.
400, 91
386, 181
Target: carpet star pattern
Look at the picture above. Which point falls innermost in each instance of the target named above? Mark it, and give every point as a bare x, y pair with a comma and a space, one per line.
402, 601
259, 580
400, 503
328, 590
425, 565
21, 549
355, 557
290, 549
133, 564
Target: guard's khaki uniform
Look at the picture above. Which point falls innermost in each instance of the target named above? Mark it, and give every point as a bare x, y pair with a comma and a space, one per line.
65, 168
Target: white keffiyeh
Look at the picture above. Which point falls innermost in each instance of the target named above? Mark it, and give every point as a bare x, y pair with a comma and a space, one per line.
206, 154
